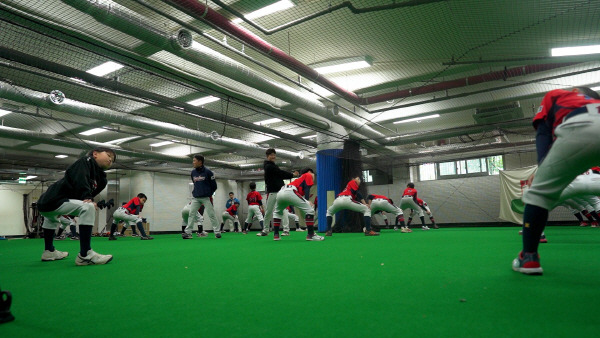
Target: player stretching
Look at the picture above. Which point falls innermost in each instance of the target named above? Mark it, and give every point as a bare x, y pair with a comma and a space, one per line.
274, 181
230, 216
185, 214
130, 214
379, 203
567, 144
255, 208
425, 208
409, 201
296, 194
350, 199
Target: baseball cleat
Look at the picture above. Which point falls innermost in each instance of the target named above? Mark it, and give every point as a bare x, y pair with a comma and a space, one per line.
262, 234
146, 238
371, 233
315, 237
425, 227
53, 255
528, 263
93, 258
186, 236
276, 237
285, 233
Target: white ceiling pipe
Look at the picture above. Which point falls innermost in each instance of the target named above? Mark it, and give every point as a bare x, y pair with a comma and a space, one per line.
27, 96
181, 44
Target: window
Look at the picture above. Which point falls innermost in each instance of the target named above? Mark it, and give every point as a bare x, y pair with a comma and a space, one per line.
427, 171
367, 176
463, 168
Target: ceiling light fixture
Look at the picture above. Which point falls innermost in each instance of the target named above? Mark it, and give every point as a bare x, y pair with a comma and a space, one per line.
93, 131
273, 8
418, 118
105, 68
596, 88
160, 144
578, 50
269, 121
4, 112
61, 156
342, 65
30, 177
203, 100
309, 136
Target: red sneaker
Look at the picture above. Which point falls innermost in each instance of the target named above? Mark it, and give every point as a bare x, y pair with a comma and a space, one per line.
528, 263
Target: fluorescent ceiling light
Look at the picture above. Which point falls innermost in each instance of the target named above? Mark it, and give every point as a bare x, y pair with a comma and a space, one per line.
30, 177
579, 50
105, 68
269, 121
61, 156
203, 100
342, 65
93, 131
160, 144
276, 7
309, 136
4, 112
418, 118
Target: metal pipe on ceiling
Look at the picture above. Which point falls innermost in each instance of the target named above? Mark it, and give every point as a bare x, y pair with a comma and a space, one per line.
182, 44
149, 97
445, 133
27, 96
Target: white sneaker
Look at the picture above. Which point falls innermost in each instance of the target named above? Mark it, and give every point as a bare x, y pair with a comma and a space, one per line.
300, 229
202, 234
93, 258
315, 237
53, 255
285, 233
425, 227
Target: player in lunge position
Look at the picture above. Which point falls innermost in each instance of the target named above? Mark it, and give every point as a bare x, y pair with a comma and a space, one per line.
296, 194
130, 214
409, 201
350, 199
567, 143
73, 195
379, 203
423, 205
185, 214
230, 216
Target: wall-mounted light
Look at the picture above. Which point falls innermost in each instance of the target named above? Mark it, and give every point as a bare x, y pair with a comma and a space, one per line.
342, 65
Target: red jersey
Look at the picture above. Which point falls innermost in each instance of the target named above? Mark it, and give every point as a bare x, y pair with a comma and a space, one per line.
134, 206
420, 202
303, 184
254, 198
558, 103
351, 190
373, 196
410, 192
232, 210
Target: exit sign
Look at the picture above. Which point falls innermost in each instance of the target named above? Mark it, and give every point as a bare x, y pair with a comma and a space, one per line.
22, 180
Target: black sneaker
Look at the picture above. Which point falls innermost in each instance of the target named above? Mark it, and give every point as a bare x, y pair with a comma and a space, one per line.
262, 234
328, 233
186, 236
75, 238
112, 238
146, 238
218, 235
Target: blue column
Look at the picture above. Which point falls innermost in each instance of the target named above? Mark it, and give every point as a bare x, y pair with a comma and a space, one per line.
329, 176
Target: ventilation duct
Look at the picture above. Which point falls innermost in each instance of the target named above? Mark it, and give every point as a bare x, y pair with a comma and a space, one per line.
506, 112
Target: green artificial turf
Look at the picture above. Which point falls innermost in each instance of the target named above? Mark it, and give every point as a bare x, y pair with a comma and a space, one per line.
453, 282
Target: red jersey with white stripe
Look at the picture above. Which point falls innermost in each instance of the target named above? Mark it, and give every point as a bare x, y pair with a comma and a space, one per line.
134, 206
254, 198
232, 210
558, 103
380, 197
350, 190
302, 183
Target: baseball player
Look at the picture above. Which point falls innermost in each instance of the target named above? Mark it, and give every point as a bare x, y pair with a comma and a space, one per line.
185, 214
255, 208
274, 182
425, 208
296, 194
205, 186
379, 203
232, 200
130, 215
73, 195
230, 216
291, 215
567, 143
66, 220
350, 199
409, 201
